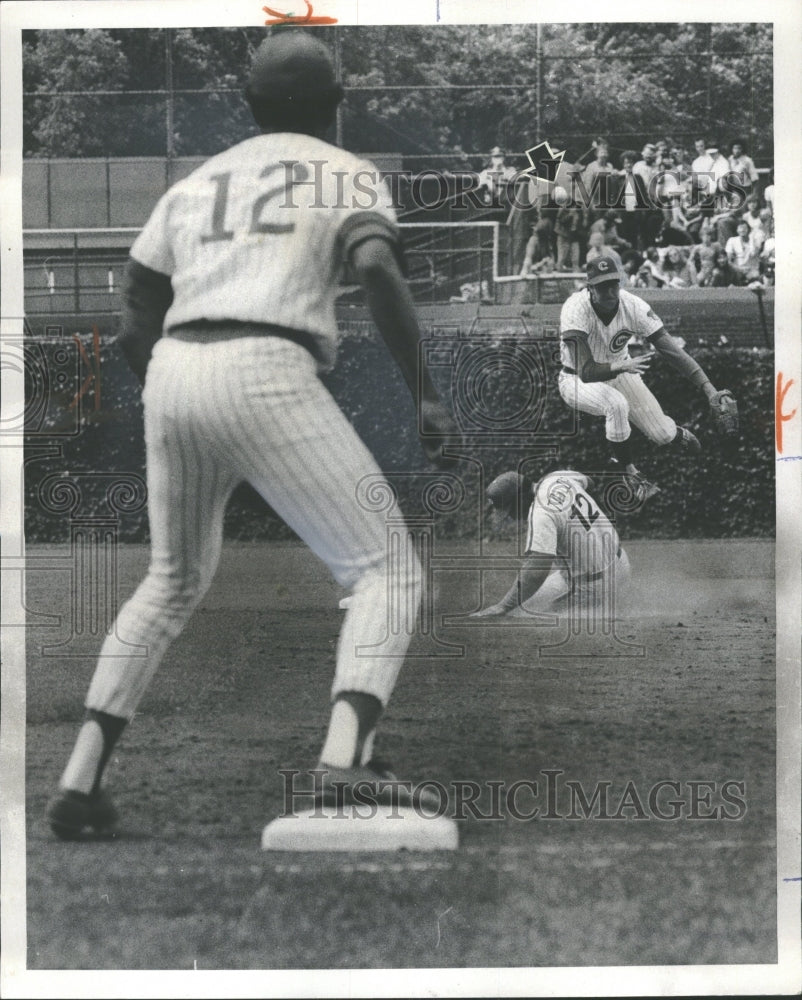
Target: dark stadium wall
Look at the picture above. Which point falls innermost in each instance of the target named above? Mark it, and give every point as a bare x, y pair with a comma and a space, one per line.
503, 387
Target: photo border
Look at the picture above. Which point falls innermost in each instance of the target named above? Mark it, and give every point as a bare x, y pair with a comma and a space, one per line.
15, 980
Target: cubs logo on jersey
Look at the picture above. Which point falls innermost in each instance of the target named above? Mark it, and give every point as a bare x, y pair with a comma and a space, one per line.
620, 340
565, 521
559, 493
607, 341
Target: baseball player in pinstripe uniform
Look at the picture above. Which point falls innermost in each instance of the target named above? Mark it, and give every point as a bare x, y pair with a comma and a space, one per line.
228, 318
573, 557
599, 377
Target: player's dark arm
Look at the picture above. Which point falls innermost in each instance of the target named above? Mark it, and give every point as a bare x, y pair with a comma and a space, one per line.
147, 295
377, 270
531, 577
599, 371
668, 348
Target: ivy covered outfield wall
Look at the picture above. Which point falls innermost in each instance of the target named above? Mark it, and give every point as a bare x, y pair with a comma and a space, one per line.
500, 379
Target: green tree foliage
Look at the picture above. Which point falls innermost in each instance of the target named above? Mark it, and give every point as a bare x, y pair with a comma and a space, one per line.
629, 82
67, 61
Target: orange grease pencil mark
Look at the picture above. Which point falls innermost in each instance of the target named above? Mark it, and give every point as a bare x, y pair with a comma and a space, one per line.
779, 417
308, 18
94, 371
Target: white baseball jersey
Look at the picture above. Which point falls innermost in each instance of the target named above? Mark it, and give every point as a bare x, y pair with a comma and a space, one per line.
607, 341
260, 233
565, 521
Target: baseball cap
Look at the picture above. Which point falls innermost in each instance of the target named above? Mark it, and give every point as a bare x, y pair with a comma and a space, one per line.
648, 148
291, 65
604, 268
497, 151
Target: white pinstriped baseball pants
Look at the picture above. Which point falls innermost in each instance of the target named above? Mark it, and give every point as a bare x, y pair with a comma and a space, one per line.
252, 408
622, 401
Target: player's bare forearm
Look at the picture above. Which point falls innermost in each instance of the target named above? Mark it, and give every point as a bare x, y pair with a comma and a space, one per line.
668, 348
393, 311
147, 295
600, 371
531, 578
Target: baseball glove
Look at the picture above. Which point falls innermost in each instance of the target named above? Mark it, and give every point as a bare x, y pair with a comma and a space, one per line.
724, 413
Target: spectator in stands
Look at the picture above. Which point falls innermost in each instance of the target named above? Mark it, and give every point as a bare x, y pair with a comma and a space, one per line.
571, 229
599, 175
647, 167
699, 181
693, 211
539, 246
682, 160
597, 248
633, 198
544, 266
768, 194
472, 291
724, 274
743, 166
743, 253
650, 218
710, 169
727, 219
495, 177
752, 217
651, 271
669, 178
720, 168
678, 272
704, 254
767, 261
674, 231
608, 226
632, 263
699, 163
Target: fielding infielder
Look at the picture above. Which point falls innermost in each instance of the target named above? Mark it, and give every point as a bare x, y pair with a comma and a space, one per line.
599, 377
573, 556
228, 317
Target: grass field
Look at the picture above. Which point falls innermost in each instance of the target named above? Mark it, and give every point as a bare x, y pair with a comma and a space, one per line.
244, 692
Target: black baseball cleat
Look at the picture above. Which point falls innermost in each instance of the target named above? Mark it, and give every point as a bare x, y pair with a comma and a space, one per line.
71, 813
688, 441
644, 489
373, 782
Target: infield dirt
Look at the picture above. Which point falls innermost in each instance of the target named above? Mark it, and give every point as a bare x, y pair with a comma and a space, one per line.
244, 692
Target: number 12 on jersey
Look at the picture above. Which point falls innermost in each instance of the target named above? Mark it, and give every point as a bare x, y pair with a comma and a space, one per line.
222, 184
585, 516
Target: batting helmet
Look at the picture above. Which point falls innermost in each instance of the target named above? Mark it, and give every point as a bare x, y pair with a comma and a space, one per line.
292, 86
510, 493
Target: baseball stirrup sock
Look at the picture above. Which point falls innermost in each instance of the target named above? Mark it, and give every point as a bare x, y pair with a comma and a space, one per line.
354, 715
93, 748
